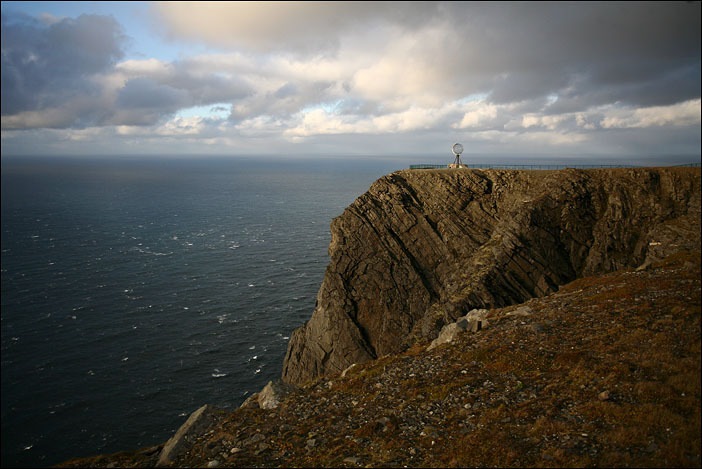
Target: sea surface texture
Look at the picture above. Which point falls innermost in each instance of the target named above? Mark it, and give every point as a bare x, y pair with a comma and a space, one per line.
136, 290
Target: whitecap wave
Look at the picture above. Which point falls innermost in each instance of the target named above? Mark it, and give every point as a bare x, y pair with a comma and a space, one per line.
147, 250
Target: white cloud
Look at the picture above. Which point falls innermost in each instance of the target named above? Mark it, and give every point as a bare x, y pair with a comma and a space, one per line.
213, 111
180, 126
321, 122
548, 122
478, 115
46, 118
681, 114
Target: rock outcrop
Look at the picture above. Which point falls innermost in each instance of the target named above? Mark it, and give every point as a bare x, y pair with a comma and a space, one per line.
422, 248
269, 397
178, 443
474, 321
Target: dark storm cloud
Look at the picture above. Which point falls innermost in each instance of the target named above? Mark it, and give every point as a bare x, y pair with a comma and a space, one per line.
142, 101
45, 65
205, 85
56, 75
639, 53
667, 87
144, 93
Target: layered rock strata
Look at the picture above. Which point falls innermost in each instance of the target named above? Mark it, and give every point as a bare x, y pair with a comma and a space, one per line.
422, 248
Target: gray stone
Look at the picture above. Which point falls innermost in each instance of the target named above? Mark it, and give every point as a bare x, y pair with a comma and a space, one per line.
522, 311
195, 425
447, 334
273, 393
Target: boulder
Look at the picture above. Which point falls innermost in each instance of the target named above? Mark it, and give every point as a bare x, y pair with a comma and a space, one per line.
273, 393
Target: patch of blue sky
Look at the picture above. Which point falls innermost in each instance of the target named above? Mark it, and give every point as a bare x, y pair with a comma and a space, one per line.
219, 111
330, 107
333, 107
472, 98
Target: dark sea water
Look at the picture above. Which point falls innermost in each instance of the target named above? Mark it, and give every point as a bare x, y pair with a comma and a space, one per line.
136, 290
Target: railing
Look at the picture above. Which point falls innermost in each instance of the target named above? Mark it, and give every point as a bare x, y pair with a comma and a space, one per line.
549, 166
536, 166
428, 166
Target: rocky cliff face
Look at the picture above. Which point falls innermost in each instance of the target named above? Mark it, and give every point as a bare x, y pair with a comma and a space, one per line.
422, 248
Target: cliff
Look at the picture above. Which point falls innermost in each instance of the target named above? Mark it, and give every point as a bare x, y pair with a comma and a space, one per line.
423, 247
589, 355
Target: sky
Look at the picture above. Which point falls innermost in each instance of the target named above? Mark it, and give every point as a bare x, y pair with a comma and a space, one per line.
605, 80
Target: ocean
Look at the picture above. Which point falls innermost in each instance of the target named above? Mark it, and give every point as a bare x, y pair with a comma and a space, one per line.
135, 290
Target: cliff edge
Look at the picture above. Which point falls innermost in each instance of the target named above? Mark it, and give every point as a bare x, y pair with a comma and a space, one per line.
422, 248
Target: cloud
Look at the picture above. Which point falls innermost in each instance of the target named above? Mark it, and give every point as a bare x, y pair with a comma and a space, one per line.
303, 27
628, 52
405, 52
143, 101
45, 65
66, 73
515, 74
678, 115
479, 115
46, 118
